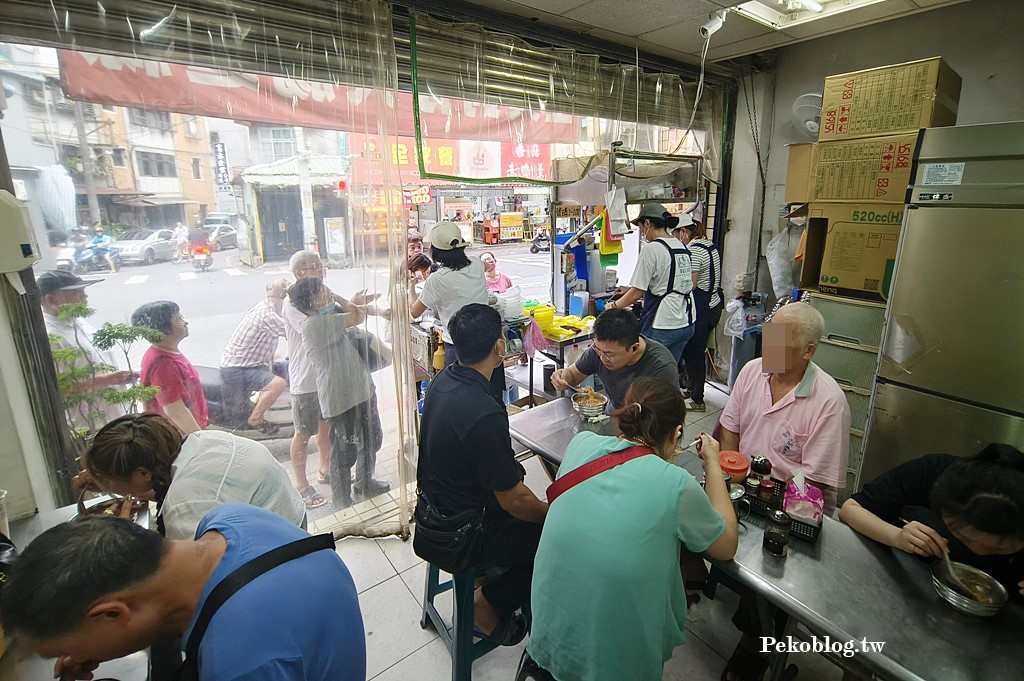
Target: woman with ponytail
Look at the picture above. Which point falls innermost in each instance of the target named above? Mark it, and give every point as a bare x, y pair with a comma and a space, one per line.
144, 456
971, 508
608, 598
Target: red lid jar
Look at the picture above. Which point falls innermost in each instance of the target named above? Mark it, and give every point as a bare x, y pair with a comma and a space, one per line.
735, 464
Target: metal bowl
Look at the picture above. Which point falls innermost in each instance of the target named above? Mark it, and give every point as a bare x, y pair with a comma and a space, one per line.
982, 584
586, 411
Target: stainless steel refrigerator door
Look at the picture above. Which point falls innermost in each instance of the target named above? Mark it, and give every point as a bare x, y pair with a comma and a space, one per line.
956, 319
906, 424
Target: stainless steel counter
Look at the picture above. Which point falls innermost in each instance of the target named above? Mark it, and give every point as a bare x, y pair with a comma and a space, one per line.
850, 588
845, 586
547, 429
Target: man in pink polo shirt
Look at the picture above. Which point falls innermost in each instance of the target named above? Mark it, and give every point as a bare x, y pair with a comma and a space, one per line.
785, 407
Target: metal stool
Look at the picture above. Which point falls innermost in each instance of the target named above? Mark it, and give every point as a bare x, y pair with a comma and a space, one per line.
529, 670
459, 638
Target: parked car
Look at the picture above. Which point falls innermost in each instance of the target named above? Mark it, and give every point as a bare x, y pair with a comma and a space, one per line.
146, 246
223, 229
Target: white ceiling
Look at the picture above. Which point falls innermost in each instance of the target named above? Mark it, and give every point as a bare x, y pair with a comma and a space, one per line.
669, 28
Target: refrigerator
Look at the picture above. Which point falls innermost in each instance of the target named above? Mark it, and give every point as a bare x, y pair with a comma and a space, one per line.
950, 375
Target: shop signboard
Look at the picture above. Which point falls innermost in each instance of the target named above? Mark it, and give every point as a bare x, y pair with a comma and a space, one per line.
529, 161
417, 196
220, 164
279, 100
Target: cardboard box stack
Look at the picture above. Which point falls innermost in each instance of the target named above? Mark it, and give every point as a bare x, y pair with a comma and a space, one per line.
854, 181
858, 171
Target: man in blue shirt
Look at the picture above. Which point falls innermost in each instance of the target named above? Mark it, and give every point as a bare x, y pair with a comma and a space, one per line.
100, 588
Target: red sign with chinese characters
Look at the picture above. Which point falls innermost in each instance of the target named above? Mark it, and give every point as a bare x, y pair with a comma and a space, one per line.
439, 156
530, 161
417, 196
279, 100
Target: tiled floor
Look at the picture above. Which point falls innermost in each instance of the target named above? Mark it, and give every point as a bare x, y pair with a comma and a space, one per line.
389, 578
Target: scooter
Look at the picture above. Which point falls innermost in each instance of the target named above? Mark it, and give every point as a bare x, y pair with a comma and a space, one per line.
86, 259
541, 242
201, 257
229, 409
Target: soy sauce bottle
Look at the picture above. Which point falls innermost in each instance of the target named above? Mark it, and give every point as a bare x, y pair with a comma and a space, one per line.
776, 533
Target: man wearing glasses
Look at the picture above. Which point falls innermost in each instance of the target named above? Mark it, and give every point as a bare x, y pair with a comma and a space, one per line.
619, 355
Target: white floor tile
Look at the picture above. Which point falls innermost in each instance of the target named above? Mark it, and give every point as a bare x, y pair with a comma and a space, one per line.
391, 617
694, 661
366, 561
399, 552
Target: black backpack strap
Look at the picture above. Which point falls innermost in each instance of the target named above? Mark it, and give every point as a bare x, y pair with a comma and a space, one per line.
714, 283
231, 584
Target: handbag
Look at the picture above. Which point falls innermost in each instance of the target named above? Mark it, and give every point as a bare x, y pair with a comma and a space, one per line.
230, 585
589, 470
376, 354
454, 542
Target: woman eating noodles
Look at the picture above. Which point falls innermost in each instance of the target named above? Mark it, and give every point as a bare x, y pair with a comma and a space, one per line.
144, 456
971, 508
608, 599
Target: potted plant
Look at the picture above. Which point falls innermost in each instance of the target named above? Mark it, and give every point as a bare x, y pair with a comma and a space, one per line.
77, 371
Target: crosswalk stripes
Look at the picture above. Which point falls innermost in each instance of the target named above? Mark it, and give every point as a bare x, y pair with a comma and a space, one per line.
513, 277
232, 272
136, 279
187, 276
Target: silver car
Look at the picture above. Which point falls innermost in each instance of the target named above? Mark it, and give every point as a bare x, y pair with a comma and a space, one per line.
146, 246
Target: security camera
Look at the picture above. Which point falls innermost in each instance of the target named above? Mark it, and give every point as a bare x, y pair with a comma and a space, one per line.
712, 25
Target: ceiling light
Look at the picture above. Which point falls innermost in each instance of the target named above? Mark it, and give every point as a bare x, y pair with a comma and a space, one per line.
781, 14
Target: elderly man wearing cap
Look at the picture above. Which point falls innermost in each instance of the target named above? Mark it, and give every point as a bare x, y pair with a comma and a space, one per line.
58, 288
663, 280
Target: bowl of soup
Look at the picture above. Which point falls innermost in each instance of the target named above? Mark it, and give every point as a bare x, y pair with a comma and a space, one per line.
987, 598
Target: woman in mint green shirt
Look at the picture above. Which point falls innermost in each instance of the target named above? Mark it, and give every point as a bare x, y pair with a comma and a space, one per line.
608, 598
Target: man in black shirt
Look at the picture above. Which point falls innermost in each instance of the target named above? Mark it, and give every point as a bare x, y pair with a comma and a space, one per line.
466, 463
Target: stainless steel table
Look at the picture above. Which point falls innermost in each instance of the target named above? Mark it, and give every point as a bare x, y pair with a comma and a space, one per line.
547, 429
845, 586
850, 588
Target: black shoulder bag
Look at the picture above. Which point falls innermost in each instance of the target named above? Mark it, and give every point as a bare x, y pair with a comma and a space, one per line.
231, 584
454, 542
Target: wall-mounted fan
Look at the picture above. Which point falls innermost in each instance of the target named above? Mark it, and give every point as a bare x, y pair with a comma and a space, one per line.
807, 116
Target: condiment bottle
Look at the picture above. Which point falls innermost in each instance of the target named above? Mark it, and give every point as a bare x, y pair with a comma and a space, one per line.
752, 486
438, 359
767, 490
761, 467
776, 533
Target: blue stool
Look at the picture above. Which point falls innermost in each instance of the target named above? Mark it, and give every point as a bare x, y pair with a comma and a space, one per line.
459, 638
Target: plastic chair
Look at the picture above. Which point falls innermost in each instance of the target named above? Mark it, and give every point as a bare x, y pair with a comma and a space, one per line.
459, 637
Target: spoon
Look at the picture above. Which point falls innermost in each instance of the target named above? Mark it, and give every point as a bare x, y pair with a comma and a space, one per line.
955, 580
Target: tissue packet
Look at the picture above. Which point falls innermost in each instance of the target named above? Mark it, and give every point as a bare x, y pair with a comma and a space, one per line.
806, 504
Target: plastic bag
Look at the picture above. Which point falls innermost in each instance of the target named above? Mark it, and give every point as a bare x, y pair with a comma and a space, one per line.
802, 501
781, 254
533, 338
736, 324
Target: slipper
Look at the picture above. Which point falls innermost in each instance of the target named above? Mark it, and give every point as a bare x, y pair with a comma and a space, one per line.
744, 666
312, 498
323, 479
265, 427
509, 632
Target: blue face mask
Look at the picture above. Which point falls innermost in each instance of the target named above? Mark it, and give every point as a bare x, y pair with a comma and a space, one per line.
327, 309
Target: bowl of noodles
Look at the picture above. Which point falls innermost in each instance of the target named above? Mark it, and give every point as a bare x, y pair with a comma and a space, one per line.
589, 404
988, 596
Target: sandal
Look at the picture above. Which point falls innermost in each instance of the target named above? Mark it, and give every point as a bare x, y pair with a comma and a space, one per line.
265, 427
744, 666
312, 498
323, 479
509, 632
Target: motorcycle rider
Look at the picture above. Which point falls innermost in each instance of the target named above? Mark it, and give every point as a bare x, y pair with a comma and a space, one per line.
198, 237
181, 238
101, 246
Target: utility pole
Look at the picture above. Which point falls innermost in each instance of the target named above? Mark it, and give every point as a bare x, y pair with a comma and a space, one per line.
85, 153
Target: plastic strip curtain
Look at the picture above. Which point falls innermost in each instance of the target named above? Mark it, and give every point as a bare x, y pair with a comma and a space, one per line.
252, 108
516, 112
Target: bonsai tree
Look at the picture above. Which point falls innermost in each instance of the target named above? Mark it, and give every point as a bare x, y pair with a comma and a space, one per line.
77, 372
